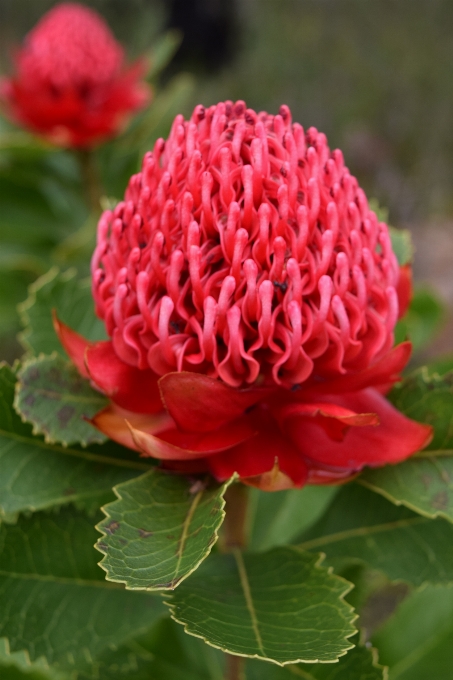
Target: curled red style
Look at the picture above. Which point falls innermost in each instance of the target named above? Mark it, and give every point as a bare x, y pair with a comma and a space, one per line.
250, 296
70, 83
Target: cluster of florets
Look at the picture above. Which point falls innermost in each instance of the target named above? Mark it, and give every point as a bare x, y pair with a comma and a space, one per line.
70, 83
245, 250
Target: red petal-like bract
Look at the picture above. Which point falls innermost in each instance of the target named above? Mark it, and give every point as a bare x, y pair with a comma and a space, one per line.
246, 278
71, 84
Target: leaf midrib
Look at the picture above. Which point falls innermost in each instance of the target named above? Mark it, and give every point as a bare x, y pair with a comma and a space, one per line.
49, 578
66, 396
248, 598
360, 531
86, 455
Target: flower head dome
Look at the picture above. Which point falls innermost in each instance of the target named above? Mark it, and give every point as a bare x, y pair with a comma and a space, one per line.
247, 251
250, 296
70, 83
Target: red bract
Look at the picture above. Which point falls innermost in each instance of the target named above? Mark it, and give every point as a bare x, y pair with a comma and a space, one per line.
71, 85
247, 287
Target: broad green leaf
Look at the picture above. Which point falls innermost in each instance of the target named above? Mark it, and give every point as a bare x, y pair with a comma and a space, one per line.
57, 401
359, 663
402, 245
165, 652
362, 526
160, 529
279, 606
35, 475
416, 643
422, 483
17, 666
277, 518
54, 601
422, 320
73, 303
428, 398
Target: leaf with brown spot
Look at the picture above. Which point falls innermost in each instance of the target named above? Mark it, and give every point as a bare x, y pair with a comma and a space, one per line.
57, 401
141, 552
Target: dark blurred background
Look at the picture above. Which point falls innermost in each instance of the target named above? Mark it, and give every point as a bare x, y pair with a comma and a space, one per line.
375, 75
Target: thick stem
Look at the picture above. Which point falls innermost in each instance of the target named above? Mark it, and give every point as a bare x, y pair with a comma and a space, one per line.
90, 178
235, 667
234, 537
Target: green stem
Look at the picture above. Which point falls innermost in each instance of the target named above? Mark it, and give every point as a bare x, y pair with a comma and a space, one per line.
234, 538
90, 179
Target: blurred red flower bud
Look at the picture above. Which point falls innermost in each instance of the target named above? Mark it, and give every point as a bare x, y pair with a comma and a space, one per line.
70, 83
249, 290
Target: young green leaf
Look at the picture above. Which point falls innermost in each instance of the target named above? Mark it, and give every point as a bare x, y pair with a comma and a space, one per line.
35, 475
160, 529
422, 320
279, 606
55, 603
52, 395
416, 641
362, 526
73, 303
401, 243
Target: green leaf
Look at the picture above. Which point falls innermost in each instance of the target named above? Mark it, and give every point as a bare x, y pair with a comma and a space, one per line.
423, 484
158, 118
279, 606
54, 601
165, 652
417, 641
35, 475
422, 320
359, 663
402, 245
160, 529
74, 305
163, 52
428, 398
442, 365
52, 395
17, 666
277, 518
361, 526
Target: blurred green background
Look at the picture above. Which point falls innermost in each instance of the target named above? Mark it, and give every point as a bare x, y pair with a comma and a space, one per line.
374, 75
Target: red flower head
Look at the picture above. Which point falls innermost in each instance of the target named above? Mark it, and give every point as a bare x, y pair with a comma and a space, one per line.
71, 85
246, 285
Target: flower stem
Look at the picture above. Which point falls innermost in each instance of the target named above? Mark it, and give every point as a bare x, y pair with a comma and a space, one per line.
234, 538
235, 667
90, 179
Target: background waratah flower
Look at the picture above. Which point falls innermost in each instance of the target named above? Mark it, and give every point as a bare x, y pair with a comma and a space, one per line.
71, 85
247, 287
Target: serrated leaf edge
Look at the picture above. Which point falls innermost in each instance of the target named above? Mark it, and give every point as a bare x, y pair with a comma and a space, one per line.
437, 514
30, 301
36, 429
318, 565
40, 664
117, 492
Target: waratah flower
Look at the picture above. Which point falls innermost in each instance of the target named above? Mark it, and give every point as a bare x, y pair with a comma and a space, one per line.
71, 85
250, 295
